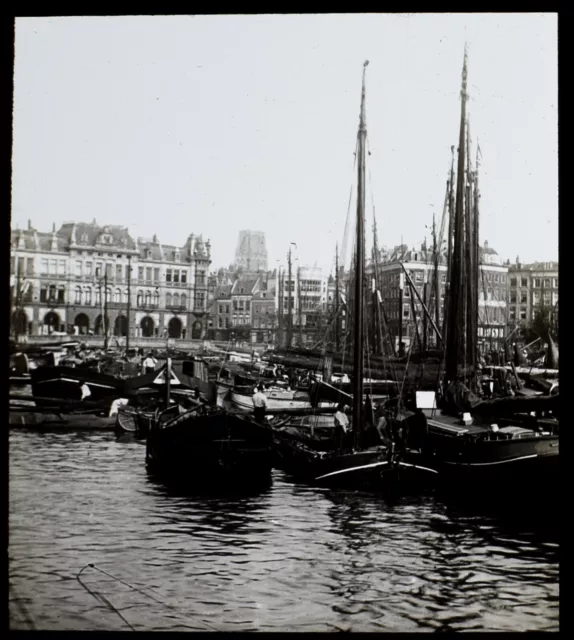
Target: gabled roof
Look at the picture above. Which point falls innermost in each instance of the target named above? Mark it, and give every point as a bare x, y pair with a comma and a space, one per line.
92, 234
245, 285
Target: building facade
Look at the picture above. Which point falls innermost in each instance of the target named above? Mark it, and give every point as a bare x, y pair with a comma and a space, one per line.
406, 324
78, 280
530, 287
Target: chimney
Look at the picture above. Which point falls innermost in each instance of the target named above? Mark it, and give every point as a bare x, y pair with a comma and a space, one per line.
29, 224
486, 244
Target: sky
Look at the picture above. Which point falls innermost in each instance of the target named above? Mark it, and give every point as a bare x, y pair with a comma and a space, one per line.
211, 124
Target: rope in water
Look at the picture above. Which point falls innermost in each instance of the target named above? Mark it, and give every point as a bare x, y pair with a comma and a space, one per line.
127, 584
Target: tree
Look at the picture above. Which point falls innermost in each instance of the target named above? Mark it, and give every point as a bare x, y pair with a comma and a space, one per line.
544, 323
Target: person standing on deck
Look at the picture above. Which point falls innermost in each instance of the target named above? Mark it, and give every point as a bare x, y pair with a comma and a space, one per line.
259, 404
342, 429
149, 364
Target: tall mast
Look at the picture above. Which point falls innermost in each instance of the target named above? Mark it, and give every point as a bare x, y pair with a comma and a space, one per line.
456, 324
289, 303
128, 305
359, 272
337, 320
450, 209
299, 315
280, 307
436, 278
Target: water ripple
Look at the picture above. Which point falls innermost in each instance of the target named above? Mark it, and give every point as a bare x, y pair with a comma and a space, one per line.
291, 558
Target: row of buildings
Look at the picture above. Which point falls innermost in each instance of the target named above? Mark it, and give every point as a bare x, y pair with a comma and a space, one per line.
69, 280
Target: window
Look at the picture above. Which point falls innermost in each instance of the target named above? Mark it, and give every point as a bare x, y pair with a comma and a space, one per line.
156, 275
119, 270
524, 282
176, 275
512, 314
227, 323
147, 298
140, 274
168, 275
99, 269
62, 268
140, 298
109, 267
523, 314
183, 277
235, 305
523, 298
54, 266
78, 296
168, 299
118, 296
547, 284
220, 323
176, 299
419, 277
183, 302
98, 298
406, 313
537, 282
220, 309
407, 292
156, 298
556, 283
43, 267
88, 296
30, 267
148, 273
513, 297
88, 269
61, 294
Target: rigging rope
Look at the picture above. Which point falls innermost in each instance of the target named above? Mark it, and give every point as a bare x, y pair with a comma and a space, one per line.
127, 584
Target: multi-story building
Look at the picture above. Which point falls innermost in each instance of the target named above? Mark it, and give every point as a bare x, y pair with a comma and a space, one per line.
420, 266
312, 296
531, 286
75, 277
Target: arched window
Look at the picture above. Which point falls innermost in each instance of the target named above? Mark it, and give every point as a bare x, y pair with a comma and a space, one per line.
147, 298
88, 296
78, 296
168, 299
108, 294
176, 299
184, 300
98, 298
125, 296
118, 296
140, 298
156, 298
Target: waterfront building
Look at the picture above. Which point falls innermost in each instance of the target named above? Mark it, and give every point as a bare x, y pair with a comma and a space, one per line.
407, 322
531, 287
75, 281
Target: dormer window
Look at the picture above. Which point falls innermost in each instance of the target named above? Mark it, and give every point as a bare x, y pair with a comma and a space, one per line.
84, 238
148, 253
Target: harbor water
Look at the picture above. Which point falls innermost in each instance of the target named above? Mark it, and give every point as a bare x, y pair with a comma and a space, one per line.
95, 544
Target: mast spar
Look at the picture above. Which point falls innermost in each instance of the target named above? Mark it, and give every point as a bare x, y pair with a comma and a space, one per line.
359, 273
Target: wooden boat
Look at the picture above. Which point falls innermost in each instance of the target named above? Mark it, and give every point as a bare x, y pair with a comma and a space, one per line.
277, 398
207, 446
315, 458
503, 443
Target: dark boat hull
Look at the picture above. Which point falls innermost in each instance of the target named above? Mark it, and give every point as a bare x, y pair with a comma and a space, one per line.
63, 383
215, 448
362, 469
515, 465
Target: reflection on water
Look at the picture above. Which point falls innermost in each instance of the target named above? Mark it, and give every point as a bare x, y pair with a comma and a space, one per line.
288, 557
